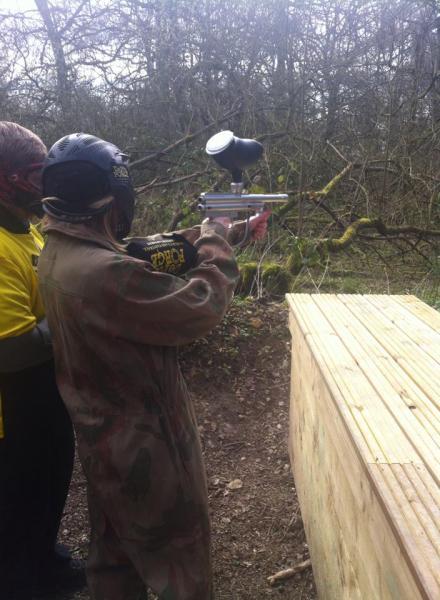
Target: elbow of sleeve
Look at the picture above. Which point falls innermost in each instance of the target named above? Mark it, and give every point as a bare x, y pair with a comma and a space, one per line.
205, 321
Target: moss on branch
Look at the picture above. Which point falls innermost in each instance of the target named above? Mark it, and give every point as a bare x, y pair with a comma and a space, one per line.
337, 244
305, 253
274, 277
315, 196
332, 183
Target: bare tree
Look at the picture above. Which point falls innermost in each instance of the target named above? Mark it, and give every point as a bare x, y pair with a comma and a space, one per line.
326, 84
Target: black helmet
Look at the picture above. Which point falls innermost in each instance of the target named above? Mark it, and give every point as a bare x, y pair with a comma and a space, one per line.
81, 169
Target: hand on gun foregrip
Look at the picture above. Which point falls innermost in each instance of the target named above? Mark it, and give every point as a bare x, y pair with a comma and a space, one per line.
258, 225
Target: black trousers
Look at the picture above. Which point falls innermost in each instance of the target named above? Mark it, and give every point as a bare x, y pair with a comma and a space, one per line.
36, 460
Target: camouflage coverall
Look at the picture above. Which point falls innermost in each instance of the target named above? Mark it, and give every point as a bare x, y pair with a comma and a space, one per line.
116, 325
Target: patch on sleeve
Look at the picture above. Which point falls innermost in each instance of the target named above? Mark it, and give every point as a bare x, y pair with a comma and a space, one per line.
171, 254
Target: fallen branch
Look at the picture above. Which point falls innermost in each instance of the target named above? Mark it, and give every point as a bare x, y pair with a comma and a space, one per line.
331, 184
286, 573
316, 196
336, 244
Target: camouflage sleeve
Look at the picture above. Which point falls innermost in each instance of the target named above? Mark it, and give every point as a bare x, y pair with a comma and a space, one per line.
235, 234
191, 234
157, 308
175, 252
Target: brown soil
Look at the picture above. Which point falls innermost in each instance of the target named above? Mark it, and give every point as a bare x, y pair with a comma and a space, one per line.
239, 379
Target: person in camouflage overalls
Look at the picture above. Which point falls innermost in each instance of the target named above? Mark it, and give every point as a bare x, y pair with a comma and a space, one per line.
116, 325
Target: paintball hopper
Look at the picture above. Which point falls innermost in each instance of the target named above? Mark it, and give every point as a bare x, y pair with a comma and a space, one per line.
233, 153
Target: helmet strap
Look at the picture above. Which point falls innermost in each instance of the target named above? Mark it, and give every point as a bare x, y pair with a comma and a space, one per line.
62, 211
125, 213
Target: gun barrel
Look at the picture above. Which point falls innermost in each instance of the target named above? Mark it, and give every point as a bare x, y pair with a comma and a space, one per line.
237, 207
238, 202
238, 198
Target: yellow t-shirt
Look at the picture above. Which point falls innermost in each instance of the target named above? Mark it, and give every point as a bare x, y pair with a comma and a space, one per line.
21, 306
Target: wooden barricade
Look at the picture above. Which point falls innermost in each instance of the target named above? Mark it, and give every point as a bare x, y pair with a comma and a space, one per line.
365, 443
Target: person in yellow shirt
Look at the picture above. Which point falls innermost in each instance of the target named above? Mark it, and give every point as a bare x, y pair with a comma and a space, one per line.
36, 437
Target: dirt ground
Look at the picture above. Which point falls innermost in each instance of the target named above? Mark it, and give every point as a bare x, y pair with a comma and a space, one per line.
239, 379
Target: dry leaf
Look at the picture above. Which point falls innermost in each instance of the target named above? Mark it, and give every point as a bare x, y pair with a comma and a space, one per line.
235, 484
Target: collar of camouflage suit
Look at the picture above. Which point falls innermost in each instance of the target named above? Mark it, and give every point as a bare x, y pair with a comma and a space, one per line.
80, 231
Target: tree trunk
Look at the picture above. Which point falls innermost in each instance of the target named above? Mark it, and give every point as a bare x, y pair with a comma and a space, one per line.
63, 84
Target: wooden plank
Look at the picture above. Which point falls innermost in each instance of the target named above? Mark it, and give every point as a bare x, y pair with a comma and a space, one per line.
333, 483
422, 557
373, 419
392, 385
409, 324
408, 423
357, 391
427, 314
424, 479
424, 409
366, 443
422, 369
323, 528
331, 540
422, 504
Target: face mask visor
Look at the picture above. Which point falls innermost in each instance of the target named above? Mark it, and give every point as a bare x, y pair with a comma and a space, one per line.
23, 188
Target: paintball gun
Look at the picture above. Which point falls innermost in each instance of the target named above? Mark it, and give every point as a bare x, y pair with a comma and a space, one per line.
235, 154
172, 253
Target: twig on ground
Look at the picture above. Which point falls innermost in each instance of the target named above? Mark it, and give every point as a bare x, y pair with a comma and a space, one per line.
286, 573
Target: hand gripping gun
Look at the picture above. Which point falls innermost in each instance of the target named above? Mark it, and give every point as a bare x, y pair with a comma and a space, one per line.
235, 154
